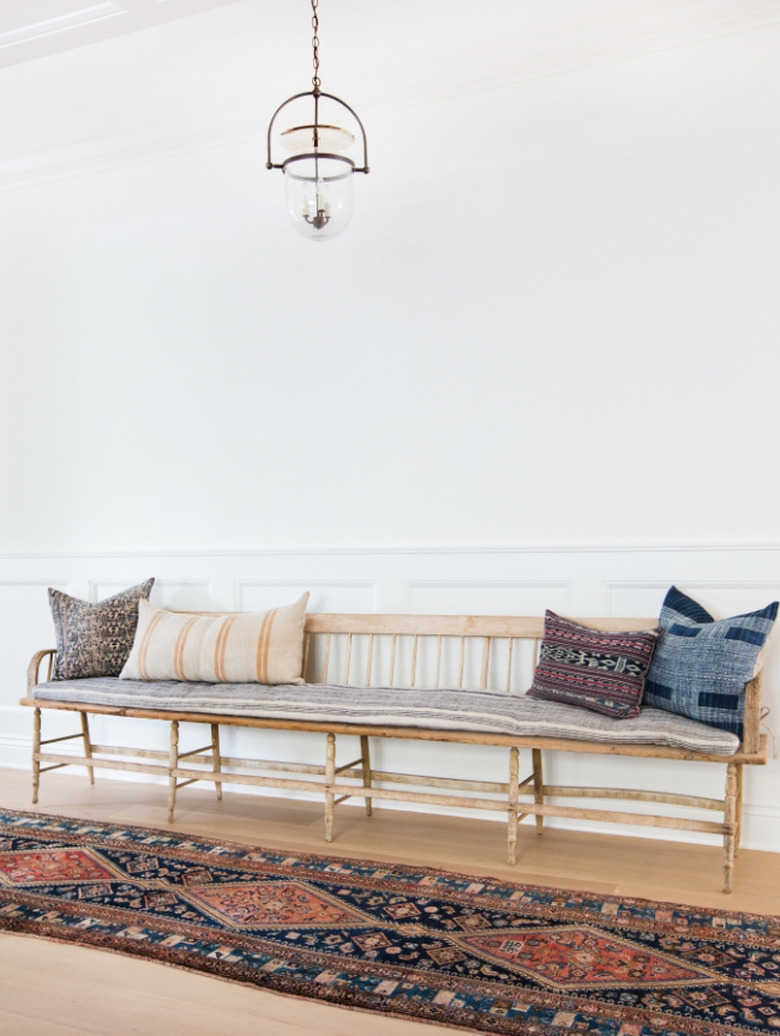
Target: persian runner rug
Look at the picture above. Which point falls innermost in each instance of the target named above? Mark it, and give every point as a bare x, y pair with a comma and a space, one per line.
473, 953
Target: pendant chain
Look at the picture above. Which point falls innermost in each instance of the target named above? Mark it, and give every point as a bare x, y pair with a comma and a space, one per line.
315, 44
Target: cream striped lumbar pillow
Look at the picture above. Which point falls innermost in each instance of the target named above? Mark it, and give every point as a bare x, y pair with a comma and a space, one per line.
238, 647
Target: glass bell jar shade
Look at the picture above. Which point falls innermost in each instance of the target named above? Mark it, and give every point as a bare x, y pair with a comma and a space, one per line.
318, 190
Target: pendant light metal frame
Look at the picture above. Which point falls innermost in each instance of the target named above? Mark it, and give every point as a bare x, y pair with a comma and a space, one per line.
315, 152
314, 129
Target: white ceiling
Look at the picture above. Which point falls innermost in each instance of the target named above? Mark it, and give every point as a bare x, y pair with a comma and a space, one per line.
90, 82
32, 29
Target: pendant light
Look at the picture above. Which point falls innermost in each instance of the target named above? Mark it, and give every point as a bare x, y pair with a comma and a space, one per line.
318, 169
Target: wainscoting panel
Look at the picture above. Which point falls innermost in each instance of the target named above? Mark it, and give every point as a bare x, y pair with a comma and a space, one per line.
260, 595
575, 581
487, 598
194, 594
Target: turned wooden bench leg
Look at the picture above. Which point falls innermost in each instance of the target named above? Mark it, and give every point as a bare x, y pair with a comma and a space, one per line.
87, 744
514, 787
216, 757
36, 762
536, 754
366, 758
731, 825
330, 778
738, 838
173, 762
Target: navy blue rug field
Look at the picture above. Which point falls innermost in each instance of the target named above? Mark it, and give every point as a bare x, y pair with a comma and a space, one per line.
475, 953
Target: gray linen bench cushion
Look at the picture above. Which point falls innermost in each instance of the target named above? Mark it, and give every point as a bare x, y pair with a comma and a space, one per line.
483, 712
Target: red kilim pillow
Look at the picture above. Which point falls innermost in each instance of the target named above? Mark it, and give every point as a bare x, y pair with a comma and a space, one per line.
601, 671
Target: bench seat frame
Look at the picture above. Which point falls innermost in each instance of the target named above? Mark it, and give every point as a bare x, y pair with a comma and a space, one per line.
518, 796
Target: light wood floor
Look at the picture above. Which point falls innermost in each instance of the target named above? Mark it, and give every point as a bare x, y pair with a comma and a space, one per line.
51, 990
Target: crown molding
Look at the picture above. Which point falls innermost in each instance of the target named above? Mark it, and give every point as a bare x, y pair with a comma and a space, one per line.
80, 23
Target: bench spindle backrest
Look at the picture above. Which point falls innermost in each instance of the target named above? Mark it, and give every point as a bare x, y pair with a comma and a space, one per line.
497, 653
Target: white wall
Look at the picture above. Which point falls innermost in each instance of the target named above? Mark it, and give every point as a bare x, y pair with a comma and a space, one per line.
552, 322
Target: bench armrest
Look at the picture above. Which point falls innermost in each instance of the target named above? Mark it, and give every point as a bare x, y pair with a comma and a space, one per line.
34, 668
751, 737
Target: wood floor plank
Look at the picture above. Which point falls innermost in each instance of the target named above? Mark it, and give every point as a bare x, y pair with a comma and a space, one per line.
91, 991
49, 989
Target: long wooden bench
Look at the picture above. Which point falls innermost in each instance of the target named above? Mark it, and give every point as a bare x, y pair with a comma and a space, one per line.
397, 658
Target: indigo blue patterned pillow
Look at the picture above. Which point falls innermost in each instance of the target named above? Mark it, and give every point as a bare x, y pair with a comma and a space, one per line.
597, 670
700, 666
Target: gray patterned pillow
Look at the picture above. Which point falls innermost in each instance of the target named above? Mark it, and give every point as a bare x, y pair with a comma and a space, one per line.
94, 639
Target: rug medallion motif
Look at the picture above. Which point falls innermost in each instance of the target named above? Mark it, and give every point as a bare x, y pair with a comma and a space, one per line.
473, 953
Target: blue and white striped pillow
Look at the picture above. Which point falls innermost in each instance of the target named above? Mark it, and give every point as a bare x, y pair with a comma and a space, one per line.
700, 666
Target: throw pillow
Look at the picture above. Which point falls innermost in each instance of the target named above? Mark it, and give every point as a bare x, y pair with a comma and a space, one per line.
701, 665
94, 639
601, 671
238, 647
